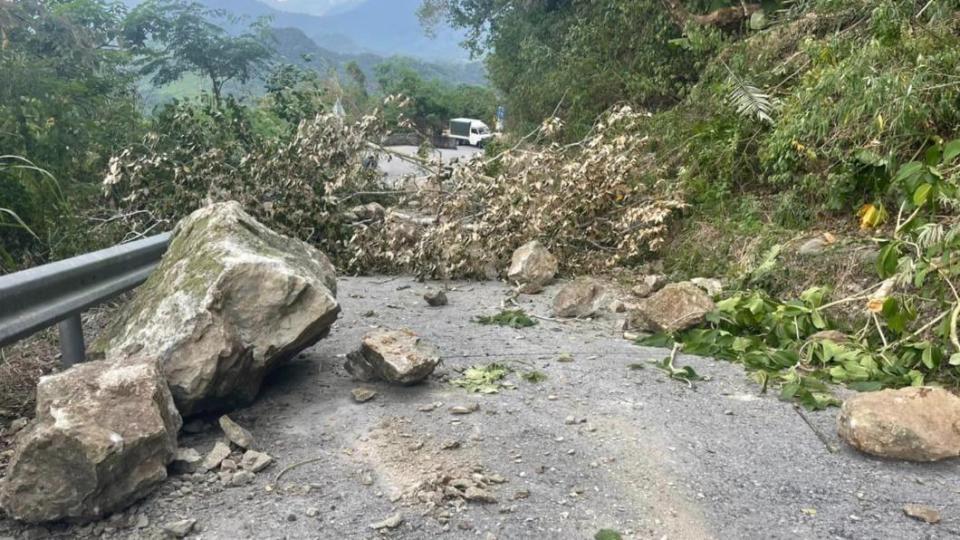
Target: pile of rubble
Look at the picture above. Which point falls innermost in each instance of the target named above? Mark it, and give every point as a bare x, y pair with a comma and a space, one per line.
230, 301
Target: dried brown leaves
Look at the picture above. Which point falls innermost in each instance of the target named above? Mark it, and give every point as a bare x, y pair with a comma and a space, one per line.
595, 204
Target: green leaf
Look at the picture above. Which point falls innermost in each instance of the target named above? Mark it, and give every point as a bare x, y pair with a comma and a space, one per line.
607, 534
950, 151
910, 173
887, 260
818, 320
955, 359
927, 358
922, 194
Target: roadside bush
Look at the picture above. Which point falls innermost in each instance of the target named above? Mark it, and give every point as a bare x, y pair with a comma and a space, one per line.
297, 185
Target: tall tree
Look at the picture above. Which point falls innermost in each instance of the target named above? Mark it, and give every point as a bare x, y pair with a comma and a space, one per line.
174, 37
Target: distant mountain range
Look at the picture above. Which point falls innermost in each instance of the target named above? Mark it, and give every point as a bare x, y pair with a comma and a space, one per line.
381, 27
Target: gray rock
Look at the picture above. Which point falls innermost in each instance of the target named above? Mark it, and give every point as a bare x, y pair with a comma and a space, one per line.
396, 356
179, 529
392, 522
814, 246
914, 424
676, 307
648, 285
235, 433
220, 452
435, 298
186, 461
532, 267
230, 300
711, 286
242, 478
228, 465
254, 461
922, 512
103, 436
578, 298
363, 395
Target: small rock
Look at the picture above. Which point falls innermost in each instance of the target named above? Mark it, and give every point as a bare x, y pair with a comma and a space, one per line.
429, 407
922, 513
396, 356
814, 246
577, 299
363, 395
254, 461
465, 409
235, 433
391, 522
142, 521
179, 529
291, 517
476, 494
242, 478
435, 298
648, 285
450, 445
312, 512
915, 423
675, 307
711, 286
216, 456
186, 461
521, 494
226, 477
570, 420
532, 267
228, 465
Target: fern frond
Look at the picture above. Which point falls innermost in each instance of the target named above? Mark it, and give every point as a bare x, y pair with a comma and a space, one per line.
749, 100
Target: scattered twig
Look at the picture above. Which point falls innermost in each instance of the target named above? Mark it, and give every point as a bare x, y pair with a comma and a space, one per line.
296, 465
823, 438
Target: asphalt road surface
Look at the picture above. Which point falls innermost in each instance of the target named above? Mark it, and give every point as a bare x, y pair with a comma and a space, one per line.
606, 441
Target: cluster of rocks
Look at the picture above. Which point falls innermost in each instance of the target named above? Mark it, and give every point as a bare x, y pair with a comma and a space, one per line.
234, 458
655, 305
230, 301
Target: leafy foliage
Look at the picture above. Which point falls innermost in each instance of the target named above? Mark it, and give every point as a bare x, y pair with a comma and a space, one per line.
586, 56
430, 102
173, 37
298, 184
514, 318
483, 379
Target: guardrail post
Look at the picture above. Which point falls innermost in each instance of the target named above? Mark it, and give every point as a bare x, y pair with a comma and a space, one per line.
72, 347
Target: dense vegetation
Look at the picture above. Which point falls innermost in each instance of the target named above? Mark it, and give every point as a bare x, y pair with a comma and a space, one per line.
72, 113
691, 137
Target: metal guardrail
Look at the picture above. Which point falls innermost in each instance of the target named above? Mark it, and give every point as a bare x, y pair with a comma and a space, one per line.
57, 293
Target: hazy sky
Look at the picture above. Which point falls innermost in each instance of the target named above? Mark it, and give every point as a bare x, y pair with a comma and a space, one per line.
314, 7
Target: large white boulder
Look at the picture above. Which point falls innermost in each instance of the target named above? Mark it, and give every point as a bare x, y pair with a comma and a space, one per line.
230, 300
103, 436
915, 423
